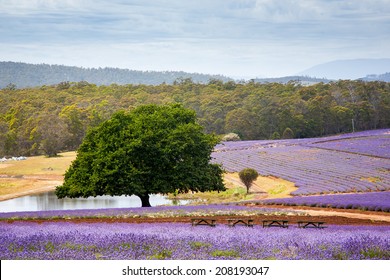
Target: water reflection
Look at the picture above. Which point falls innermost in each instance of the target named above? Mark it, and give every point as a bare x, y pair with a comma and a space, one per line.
49, 201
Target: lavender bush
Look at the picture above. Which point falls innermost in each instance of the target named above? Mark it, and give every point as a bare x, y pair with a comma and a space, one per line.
61, 240
379, 201
154, 212
313, 165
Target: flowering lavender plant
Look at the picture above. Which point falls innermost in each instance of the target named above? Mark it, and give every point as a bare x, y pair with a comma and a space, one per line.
62, 240
154, 212
379, 201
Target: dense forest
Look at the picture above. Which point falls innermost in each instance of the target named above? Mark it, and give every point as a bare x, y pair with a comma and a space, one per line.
49, 119
24, 75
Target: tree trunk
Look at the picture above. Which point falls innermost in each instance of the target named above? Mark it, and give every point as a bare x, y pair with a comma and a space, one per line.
145, 200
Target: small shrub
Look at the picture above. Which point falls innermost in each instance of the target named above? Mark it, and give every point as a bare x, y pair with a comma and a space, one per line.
197, 245
231, 137
375, 253
225, 253
288, 133
162, 255
247, 176
275, 136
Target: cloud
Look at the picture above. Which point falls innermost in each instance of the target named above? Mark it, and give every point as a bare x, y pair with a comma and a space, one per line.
157, 20
251, 36
25, 7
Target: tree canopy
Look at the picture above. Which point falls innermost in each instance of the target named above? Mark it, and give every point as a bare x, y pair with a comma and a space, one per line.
151, 149
247, 176
251, 110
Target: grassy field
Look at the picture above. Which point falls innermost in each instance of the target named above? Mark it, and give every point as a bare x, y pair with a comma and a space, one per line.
33, 175
263, 187
269, 186
39, 165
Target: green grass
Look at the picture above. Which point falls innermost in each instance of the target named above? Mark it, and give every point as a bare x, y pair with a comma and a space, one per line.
197, 245
225, 253
230, 195
161, 255
371, 179
277, 190
39, 165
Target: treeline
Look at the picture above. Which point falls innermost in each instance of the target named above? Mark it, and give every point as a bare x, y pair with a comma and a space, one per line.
304, 80
22, 75
50, 119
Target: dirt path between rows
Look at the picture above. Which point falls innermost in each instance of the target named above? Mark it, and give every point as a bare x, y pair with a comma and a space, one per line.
292, 220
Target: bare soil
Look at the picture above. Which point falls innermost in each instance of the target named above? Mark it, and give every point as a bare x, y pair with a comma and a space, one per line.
27, 185
330, 219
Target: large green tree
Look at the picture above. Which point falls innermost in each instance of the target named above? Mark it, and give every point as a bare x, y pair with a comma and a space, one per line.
151, 149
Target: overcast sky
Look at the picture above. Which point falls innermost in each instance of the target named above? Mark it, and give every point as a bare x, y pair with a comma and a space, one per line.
239, 38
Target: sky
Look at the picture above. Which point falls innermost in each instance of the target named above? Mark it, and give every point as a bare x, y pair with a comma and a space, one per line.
236, 38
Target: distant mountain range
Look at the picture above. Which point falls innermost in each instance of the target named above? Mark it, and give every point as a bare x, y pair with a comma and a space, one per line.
30, 75
349, 69
24, 75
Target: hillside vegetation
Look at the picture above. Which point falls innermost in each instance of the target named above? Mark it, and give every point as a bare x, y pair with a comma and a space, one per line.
52, 119
24, 75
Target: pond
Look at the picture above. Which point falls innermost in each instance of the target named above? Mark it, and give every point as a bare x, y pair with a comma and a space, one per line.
49, 201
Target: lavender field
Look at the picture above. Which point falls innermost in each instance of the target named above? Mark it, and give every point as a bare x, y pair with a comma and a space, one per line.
377, 201
356, 162
62, 240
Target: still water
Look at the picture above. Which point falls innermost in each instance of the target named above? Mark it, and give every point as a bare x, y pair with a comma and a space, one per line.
49, 201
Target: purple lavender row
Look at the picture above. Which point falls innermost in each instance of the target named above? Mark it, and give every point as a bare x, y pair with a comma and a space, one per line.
26, 240
375, 146
158, 211
241, 145
314, 170
367, 201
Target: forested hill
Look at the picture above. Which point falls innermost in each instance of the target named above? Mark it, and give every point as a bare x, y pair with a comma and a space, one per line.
382, 77
304, 80
56, 117
24, 75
